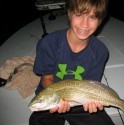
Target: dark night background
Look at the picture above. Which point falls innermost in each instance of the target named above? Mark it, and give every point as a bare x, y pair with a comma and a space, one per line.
14, 14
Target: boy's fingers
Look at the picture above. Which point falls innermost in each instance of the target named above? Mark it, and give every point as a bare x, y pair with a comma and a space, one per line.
54, 109
92, 105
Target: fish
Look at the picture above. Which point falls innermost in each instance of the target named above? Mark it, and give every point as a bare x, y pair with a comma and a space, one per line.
76, 92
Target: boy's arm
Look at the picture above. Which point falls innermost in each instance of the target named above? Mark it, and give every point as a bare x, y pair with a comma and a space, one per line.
46, 80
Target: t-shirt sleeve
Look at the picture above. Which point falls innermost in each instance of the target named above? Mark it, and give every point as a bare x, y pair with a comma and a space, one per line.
44, 61
97, 70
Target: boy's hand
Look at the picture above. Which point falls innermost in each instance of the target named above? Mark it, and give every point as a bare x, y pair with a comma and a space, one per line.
64, 107
92, 106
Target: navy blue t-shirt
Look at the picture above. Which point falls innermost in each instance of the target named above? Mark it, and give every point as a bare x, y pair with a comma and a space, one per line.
54, 56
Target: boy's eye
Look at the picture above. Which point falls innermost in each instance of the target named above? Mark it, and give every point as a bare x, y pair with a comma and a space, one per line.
93, 17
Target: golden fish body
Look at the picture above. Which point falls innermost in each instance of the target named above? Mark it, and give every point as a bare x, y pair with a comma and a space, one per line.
76, 93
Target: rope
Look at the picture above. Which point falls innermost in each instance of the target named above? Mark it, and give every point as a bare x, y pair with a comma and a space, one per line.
16, 70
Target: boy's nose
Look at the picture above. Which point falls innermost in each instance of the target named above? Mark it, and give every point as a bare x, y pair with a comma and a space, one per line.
84, 22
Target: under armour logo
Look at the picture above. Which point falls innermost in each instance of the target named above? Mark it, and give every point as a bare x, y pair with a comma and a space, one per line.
63, 72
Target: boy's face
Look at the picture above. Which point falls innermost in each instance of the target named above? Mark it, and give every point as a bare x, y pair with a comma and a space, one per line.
83, 25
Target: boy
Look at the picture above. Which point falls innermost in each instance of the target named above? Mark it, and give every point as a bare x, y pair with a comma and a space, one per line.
72, 52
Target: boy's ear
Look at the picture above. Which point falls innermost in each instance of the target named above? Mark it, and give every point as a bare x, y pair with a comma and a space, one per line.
100, 21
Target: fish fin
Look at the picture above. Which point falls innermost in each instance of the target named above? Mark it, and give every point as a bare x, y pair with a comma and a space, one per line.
122, 106
106, 105
72, 102
62, 99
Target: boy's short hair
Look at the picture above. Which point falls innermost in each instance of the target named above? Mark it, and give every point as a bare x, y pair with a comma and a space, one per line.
85, 6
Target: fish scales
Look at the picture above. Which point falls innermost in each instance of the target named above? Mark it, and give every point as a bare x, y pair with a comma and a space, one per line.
76, 92
69, 91
84, 86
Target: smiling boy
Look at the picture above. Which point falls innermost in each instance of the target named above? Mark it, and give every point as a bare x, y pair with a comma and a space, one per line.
73, 53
